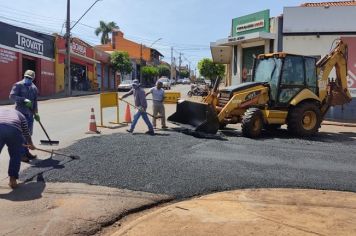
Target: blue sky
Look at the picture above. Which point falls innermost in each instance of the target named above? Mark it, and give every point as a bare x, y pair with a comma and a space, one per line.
187, 25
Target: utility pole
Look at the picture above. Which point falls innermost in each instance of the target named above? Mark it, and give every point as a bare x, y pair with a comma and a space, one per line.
141, 64
172, 62
67, 79
180, 63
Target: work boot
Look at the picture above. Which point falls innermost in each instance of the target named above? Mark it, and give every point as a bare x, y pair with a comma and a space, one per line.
150, 132
25, 159
30, 156
13, 182
129, 131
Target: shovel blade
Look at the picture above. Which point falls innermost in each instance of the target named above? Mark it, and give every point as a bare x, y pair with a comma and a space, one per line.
47, 142
199, 117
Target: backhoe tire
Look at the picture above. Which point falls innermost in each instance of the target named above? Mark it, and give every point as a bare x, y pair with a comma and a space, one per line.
304, 120
252, 123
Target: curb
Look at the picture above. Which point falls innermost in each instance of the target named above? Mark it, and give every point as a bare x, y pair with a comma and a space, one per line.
339, 124
8, 102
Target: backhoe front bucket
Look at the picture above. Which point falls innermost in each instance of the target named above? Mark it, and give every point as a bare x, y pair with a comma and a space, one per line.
200, 117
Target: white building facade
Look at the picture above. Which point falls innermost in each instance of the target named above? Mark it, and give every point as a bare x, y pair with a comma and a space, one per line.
250, 35
312, 30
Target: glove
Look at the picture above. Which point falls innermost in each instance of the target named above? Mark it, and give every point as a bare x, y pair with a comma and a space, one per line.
28, 103
37, 117
141, 109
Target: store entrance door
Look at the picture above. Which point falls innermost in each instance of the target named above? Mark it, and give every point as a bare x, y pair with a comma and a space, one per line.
79, 78
247, 61
29, 63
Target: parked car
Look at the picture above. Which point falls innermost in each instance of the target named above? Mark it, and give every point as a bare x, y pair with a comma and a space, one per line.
180, 81
166, 83
186, 81
125, 85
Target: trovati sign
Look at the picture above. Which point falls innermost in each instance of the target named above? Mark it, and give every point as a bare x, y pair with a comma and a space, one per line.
26, 41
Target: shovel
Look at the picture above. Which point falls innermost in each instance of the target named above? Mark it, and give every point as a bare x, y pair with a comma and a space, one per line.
49, 141
157, 117
73, 157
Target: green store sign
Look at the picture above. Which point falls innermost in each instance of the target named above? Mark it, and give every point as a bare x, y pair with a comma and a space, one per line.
252, 23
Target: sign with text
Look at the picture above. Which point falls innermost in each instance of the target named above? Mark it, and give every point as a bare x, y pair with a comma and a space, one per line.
250, 26
256, 22
79, 48
7, 56
23, 40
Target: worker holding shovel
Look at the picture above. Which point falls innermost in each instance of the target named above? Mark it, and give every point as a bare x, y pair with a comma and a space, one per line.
14, 130
141, 104
158, 105
24, 93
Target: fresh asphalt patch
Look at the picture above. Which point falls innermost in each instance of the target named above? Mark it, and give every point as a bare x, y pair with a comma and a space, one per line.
182, 166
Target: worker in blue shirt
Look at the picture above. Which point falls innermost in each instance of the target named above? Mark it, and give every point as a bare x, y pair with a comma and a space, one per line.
24, 93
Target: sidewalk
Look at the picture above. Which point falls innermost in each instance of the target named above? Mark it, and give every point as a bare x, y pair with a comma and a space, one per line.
336, 123
38, 208
57, 96
252, 212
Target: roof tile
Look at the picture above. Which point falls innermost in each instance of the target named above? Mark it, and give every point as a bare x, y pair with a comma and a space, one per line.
331, 4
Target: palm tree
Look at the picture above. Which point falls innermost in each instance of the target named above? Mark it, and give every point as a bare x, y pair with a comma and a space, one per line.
105, 29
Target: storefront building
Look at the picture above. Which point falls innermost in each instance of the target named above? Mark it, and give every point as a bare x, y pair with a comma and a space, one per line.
21, 50
306, 32
140, 55
251, 35
83, 65
104, 73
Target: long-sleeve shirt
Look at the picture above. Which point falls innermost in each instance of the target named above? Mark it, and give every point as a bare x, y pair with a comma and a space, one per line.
20, 92
14, 119
139, 96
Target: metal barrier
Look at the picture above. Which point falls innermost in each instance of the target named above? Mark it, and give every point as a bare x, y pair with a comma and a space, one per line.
109, 100
171, 97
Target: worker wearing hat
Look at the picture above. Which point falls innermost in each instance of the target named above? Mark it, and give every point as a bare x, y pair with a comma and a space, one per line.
24, 93
141, 103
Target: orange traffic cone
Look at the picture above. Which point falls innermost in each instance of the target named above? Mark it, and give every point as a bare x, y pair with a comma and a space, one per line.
92, 124
128, 114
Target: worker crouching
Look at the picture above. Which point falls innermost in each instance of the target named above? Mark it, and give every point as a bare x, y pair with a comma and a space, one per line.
14, 131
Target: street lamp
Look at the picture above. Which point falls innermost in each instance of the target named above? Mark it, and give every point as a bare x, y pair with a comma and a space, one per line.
68, 85
141, 62
155, 42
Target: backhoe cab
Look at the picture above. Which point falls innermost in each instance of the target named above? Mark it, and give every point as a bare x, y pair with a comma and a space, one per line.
286, 89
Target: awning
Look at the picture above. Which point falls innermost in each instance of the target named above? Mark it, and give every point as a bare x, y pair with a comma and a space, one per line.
81, 57
221, 54
221, 50
245, 38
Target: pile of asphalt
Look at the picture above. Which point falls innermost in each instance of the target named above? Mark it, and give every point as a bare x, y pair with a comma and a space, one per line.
183, 166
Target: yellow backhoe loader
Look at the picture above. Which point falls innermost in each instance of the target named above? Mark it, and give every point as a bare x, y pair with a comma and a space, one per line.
285, 89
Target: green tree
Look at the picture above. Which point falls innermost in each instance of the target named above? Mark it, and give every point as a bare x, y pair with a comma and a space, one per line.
120, 62
149, 73
184, 74
105, 29
164, 70
211, 70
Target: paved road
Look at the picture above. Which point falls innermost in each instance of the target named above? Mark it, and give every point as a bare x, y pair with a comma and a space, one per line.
67, 120
183, 166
